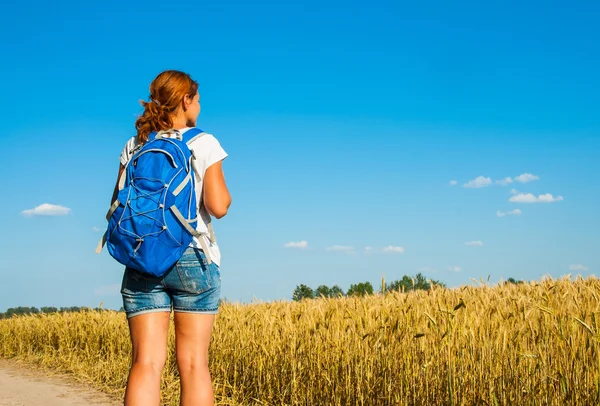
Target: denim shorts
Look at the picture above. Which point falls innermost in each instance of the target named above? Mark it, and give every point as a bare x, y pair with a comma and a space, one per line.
192, 285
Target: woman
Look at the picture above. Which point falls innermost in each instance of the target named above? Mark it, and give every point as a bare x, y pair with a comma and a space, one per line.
192, 287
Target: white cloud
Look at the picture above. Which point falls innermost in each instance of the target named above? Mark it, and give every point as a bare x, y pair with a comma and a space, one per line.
453, 182
368, 250
391, 248
578, 267
47, 209
97, 229
483, 181
299, 244
531, 198
478, 182
454, 268
514, 192
474, 243
107, 290
526, 177
515, 212
505, 181
341, 248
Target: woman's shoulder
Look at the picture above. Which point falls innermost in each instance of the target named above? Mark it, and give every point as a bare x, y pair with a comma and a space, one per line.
207, 142
130, 146
131, 143
207, 136
208, 150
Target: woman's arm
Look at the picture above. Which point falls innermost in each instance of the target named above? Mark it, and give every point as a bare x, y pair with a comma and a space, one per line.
216, 197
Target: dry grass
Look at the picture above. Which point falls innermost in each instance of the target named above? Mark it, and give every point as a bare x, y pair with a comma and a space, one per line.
527, 344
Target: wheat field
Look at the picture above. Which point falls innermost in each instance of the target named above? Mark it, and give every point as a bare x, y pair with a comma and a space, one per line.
534, 343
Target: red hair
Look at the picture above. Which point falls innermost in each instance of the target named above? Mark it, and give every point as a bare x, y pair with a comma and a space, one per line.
167, 91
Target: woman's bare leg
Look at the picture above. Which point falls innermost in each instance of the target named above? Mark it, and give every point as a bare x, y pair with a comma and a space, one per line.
149, 353
192, 333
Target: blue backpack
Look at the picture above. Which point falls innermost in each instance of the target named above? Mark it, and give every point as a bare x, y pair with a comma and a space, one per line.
153, 220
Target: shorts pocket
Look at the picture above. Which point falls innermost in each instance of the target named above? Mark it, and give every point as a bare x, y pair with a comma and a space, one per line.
194, 272
135, 281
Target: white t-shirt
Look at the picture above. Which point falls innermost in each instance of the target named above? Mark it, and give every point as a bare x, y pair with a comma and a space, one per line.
207, 151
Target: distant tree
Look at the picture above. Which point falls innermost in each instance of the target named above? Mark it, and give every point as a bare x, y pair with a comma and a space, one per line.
336, 291
48, 309
360, 289
71, 309
326, 291
514, 281
412, 283
302, 292
322, 291
400, 285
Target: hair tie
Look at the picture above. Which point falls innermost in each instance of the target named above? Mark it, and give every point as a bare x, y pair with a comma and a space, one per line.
157, 102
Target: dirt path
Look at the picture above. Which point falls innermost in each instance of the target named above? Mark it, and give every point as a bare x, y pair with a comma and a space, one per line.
23, 385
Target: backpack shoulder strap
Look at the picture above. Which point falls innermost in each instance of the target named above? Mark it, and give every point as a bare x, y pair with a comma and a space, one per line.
191, 135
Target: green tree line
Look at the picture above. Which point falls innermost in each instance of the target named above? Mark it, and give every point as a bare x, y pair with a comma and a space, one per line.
24, 310
407, 283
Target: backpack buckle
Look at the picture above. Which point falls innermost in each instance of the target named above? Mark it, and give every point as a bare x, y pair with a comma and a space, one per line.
170, 133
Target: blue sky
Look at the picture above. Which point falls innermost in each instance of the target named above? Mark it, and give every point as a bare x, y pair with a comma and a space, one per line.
345, 124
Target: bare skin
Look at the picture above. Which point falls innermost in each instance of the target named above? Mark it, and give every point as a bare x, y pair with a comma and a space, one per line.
192, 336
149, 352
192, 331
149, 342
